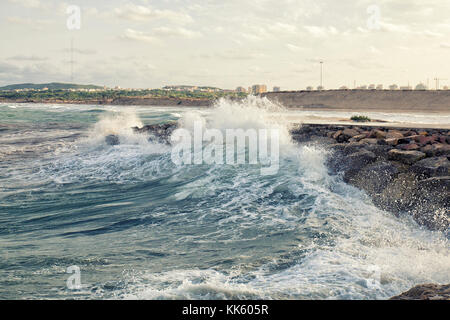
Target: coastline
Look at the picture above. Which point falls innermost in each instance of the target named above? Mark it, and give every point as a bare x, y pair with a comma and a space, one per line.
393, 101
403, 171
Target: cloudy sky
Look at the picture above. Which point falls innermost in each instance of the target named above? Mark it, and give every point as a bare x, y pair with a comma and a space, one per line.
226, 43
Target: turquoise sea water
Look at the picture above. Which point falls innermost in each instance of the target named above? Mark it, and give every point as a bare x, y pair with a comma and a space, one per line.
140, 227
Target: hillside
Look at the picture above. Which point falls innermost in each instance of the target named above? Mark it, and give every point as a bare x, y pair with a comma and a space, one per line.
50, 86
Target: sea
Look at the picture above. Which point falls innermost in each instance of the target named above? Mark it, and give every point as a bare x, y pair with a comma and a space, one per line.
84, 219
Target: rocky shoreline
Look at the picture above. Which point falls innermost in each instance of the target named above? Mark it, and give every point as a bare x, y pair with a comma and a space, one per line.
404, 171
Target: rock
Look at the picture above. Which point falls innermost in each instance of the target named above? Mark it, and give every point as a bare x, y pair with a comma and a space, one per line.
337, 134
359, 137
436, 149
432, 203
398, 196
424, 139
159, 133
369, 141
443, 139
381, 151
426, 292
408, 146
353, 147
431, 167
394, 134
375, 177
378, 134
407, 157
356, 161
349, 133
391, 141
112, 140
409, 133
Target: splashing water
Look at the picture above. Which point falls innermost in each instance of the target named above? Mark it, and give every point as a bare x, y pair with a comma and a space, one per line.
139, 226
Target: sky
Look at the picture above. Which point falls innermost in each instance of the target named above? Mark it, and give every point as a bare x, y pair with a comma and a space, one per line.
227, 43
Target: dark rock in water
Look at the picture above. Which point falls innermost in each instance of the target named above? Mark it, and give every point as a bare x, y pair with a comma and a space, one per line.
431, 167
356, 161
427, 201
426, 292
375, 177
407, 157
112, 140
398, 196
159, 133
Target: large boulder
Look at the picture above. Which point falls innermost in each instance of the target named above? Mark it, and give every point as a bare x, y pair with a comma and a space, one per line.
407, 157
356, 161
112, 140
378, 134
159, 133
426, 292
394, 134
436, 149
375, 177
427, 200
431, 167
398, 196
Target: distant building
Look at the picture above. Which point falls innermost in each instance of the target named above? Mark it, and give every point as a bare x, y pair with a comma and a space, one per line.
343, 88
309, 88
379, 87
393, 87
445, 88
421, 86
363, 87
276, 89
241, 89
406, 88
371, 87
259, 88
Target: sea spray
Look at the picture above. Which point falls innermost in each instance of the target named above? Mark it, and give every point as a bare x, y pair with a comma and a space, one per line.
140, 227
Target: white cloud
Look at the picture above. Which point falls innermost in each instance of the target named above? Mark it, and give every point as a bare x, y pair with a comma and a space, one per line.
27, 3
177, 32
27, 58
321, 31
293, 47
145, 13
131, 34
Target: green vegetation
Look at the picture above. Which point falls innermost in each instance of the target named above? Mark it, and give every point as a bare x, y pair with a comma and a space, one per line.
360, 118
104, 95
